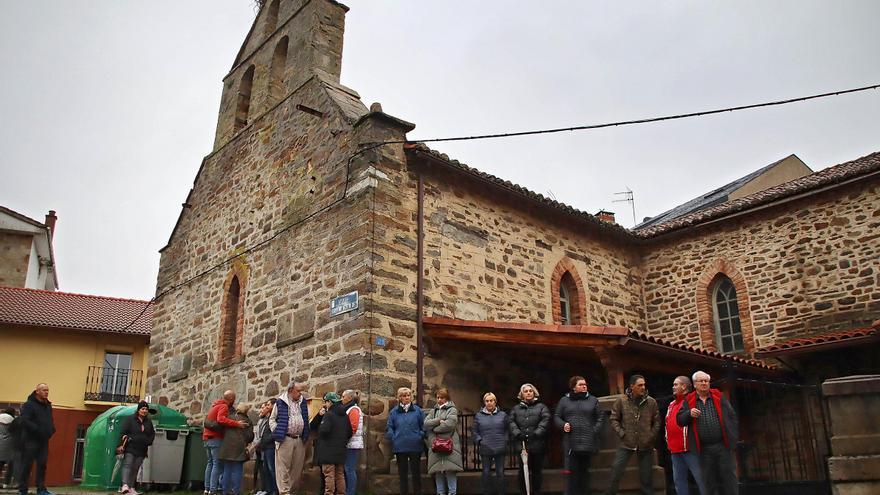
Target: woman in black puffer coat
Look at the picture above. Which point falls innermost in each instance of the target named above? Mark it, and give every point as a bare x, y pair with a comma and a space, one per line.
333, 435
138, 433
581, 421
530, 423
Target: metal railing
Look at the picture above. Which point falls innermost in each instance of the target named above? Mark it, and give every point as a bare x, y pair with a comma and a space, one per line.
470, 454
107, 384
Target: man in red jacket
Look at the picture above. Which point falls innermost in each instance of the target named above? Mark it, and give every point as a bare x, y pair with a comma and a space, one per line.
713, 433
216, 422
676, 439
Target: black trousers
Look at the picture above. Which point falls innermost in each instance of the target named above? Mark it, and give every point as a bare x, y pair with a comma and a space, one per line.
536, 474
579, 479
719, 469
33, 454
646, 463
409, 464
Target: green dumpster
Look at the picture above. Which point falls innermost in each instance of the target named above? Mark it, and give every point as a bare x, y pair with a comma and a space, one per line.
194, 461
103, 437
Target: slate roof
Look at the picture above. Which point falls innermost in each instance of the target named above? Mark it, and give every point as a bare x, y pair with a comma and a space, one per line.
868, 164
844, 337
74, 311
712, 198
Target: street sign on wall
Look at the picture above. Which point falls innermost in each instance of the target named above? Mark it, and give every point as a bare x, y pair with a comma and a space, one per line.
344, 304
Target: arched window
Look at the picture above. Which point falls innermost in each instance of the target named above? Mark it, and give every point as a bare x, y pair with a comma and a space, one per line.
271, 18
728, 331
243, 105
568, 300
231, 321
564, 308
279, 66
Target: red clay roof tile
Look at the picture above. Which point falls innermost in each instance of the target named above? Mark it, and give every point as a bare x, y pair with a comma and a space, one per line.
74, 311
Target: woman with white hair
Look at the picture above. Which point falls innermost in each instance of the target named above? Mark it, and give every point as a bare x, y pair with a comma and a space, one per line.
490, 432
529, 424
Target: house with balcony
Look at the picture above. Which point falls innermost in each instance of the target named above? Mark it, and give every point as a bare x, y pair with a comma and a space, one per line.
90, 350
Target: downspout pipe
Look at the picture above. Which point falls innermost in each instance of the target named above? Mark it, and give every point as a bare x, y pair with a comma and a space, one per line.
420, 263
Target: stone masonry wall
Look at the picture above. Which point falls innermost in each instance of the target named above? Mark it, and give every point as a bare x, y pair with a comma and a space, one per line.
489, 258
289, 165
15, 252
804, 268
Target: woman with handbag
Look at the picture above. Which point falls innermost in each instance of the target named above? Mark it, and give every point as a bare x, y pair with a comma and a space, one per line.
444, 452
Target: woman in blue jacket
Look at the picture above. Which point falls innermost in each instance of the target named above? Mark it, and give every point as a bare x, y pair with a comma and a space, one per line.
490, 433
404, 430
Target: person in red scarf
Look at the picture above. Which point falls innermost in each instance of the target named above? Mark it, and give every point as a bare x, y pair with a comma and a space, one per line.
712, 433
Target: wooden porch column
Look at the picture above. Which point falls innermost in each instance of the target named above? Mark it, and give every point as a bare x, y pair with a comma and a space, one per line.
612, 363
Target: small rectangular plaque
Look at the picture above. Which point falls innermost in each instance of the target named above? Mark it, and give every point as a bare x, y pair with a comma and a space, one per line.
344, 304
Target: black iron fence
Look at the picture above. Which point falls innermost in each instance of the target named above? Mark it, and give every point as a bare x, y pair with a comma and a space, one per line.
108, 384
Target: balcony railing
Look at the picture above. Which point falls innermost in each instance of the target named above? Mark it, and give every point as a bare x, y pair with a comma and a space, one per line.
114, 385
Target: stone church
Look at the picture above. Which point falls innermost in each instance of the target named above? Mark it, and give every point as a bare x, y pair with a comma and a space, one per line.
468, 281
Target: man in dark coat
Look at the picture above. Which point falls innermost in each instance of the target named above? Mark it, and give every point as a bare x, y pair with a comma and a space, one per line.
713, 433
635, 418
581, 421
333, 435
36, 429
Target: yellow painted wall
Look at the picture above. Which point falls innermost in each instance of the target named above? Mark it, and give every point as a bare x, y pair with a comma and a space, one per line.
60, 358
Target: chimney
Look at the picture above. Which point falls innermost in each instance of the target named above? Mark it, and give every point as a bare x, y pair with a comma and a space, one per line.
606, 216
50, 223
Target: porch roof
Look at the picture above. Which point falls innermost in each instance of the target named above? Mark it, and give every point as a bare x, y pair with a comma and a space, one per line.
824, 342
620, 341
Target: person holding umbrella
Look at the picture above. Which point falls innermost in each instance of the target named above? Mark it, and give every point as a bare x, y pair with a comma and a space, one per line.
529, 425
137, 436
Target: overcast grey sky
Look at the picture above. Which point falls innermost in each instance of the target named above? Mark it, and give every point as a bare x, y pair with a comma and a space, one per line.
108, 107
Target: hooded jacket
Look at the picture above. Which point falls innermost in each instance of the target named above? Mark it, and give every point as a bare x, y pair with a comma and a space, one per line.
140, 434
581, 410
404, 429
529, 421
442, 421
333, 435
726, 415
491, 431
218, 413
37, 426
636, 421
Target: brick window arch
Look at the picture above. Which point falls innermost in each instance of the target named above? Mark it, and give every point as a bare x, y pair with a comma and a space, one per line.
567, 294
232, 316
723, 309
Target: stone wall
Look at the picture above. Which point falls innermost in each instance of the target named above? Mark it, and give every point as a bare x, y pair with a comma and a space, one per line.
15, 251
800, 269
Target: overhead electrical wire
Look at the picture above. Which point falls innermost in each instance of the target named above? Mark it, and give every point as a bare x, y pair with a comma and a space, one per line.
370, 146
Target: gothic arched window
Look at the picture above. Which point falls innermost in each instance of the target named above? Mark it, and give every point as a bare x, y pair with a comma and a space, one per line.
728, 330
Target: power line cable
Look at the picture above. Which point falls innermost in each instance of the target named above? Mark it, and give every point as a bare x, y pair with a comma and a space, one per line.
636, 121
370, 146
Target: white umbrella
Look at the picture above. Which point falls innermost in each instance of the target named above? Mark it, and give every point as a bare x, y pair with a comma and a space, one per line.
524, 455
119, 458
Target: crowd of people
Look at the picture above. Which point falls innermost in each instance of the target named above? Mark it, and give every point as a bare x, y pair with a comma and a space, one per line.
701, 431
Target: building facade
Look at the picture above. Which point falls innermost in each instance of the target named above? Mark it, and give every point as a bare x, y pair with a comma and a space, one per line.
465, 280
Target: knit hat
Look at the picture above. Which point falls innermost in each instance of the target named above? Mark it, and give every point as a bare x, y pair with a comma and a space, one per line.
332, 397
142, 404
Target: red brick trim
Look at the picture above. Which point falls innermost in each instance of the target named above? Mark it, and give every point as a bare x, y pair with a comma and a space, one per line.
706, 283
238, 271
578, 296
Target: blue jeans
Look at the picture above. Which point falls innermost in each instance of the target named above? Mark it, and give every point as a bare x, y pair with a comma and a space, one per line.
681, 464
351, 475
232, 474
268, 471
214, 466
444, 480
493, 484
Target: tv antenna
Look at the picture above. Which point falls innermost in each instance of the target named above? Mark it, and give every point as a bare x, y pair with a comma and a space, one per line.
628, 197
